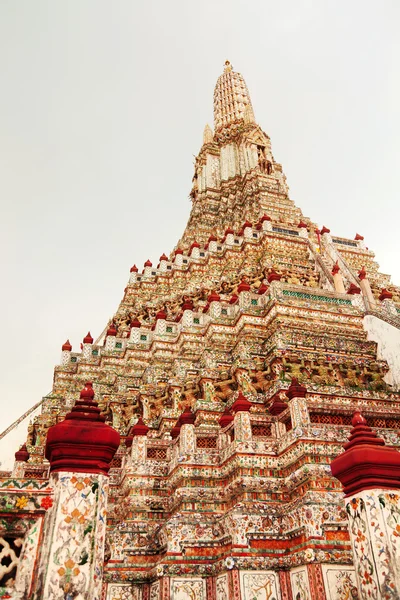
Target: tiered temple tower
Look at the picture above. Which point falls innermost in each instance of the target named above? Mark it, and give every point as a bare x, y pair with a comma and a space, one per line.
231, 371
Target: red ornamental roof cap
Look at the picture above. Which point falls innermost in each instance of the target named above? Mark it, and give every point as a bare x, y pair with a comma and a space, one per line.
243, 286
178, 251
262, 289
148, 263
226, 418
134, 269
163, 257
302, 225
325, 230
247, 224
195, 245
366, 462
161, 314
265, 218
175, 431
88, 338
241, 404
229, 230
112, 330
296, 390
234, 299
88, 392
212, 238
135, 322
187, 305
274, 276
206, 307
336, 268
82, 443
140, 428
385, 295
66, 347
353, 289
187, 417
362, 274
22, 455
240, 232
213, 297
277, 406
359, 237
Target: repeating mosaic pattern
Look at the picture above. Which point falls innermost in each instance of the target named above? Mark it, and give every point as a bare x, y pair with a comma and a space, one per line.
188, 589
375, 533
258, 585
300, 584
340, 582
222, 587
124, 592
72, 560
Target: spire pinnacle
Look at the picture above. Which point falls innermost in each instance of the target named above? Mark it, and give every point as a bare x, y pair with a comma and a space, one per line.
231, 99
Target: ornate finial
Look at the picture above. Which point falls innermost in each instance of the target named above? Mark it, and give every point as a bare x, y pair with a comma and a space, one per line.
207, 135
228, 66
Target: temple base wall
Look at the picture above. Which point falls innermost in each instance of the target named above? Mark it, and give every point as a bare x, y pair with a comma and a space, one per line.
306, 582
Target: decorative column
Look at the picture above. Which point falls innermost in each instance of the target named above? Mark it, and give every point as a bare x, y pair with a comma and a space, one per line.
229, 237
110, 337
161, 322
148, 265
244, 294
338, 279
214, 301
21, 458
65, 353
355, 291
178, 257
225, 420
212, 243
137, 439
303, 229
247, 230
370, 474
298, 404
266, 223
187, 441
163, 263
366, 287
134, 335
195, 250
133, 275
87, 346
242, 425
386, 298
80, 450
187, 316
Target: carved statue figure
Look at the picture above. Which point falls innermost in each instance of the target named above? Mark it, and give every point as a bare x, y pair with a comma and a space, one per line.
373, 377
350, 373
226, 387
293, 365
322, 373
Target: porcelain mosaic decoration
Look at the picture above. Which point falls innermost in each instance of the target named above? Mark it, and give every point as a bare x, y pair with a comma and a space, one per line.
227, 379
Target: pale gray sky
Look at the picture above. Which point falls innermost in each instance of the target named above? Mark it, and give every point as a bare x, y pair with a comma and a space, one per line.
102, 107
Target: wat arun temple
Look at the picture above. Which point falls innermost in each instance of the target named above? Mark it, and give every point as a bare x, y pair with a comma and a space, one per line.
233, 433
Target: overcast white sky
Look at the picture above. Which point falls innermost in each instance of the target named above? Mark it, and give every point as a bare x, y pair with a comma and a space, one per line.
102, 107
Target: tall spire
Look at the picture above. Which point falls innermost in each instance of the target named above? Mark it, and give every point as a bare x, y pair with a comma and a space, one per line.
231, 98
